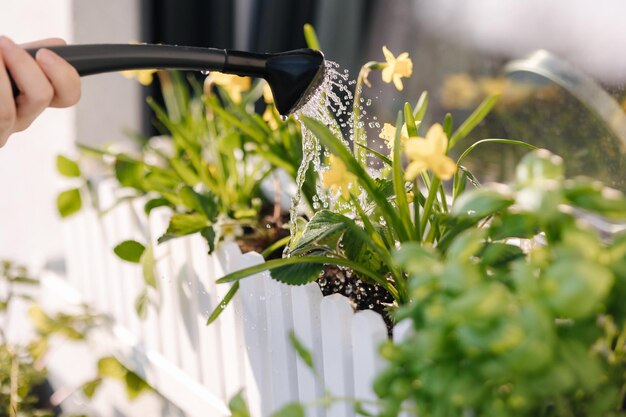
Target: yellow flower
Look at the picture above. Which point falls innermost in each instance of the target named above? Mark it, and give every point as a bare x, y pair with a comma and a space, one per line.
233, 84
143, 76
429, 152
388, 133
267, 94
338, 176
396, 68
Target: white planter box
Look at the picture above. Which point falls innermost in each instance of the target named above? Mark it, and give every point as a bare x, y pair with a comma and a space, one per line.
198, 368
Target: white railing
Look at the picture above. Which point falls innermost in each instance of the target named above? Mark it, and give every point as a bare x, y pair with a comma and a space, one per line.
198, 368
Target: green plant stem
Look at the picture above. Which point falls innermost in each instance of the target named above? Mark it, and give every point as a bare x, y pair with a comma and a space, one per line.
278, 244
416, 210
432, 193
15, 374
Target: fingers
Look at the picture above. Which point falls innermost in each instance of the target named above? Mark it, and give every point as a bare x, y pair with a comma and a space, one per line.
36, 90
63, 77
7, 105
46, 81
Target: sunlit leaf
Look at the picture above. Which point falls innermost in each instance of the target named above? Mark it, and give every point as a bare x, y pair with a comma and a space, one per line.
89, 388
148, 265
69, 202
67, 167
184, 224
221, 306
238, 405
130, 250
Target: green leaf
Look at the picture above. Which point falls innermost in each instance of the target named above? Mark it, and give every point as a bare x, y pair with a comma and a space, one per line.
479, 204
141, 305
297, 274
148, 265
467, 244
473, 120
324, 229
89, 388
184, 172
594, 197
129, 173
222, 305
497, 254
184, 224
290, 410
327, 138
303, 353
154, 203
521, 225
311, 37
238, 406
67, 167
398, 177
110, 367
493, 140
69, 202
420, 107
411, 126
135, 385
130, 250
202, 203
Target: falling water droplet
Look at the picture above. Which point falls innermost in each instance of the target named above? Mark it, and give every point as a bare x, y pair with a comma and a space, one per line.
204, 72
284, 118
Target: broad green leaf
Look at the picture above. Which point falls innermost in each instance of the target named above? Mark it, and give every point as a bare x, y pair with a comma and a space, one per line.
473, 120
129, 173
110, 367
67, 167
69, 202
302, 351
238, 406
89, 388
130, 250
202, 203
481, 203
324, 228
594, 197
222, 305
466, 244
521, 225
135, 385
290, 410
297, 274
148, 265
184, 224
497, 254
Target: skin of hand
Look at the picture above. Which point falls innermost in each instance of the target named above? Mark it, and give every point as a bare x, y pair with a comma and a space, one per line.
45, 81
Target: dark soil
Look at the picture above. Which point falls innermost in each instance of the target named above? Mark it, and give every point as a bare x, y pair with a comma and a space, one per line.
333, 280
364, 296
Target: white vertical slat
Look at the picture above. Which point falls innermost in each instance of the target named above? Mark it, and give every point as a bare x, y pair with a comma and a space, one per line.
306, 301
210, 352
111, 236
100, 294
72, 239
368, 333
184, 302
159, 220
281, 353
254, 319
82, 250
226, 257
336, 314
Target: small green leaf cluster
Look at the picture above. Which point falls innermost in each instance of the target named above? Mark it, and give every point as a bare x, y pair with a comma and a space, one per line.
501, 331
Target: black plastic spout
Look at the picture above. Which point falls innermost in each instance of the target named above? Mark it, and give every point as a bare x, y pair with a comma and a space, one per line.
292, 75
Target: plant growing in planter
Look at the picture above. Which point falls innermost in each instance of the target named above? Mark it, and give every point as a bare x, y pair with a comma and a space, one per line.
498, 330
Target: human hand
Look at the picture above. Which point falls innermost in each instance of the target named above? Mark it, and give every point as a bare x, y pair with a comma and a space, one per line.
45, 81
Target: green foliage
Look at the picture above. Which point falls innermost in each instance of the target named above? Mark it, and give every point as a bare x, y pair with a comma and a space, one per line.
130, 250
67, 167
238, 406
69, 202
501, 331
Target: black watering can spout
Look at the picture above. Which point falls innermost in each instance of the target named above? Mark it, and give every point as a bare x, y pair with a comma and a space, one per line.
293, 76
